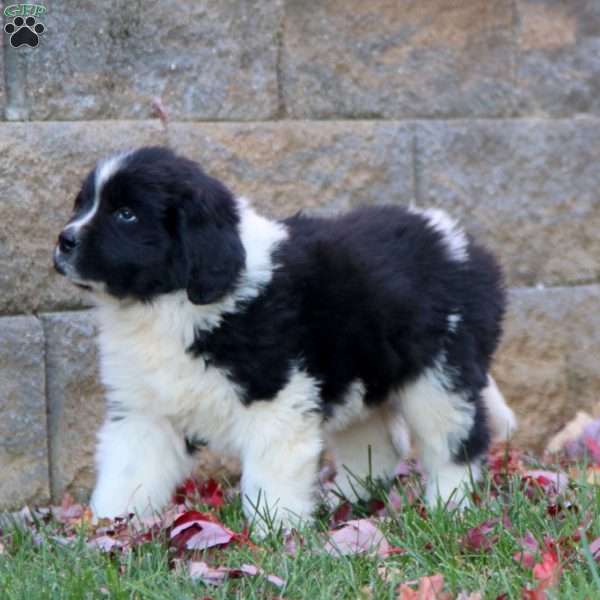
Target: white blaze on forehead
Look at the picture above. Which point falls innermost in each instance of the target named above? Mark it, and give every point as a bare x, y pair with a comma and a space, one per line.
103, 172
454, 237
454, 320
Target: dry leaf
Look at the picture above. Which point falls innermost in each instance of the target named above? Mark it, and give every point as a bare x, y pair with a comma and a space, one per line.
357, 537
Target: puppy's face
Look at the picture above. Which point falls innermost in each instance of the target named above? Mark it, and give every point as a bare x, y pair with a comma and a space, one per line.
148, 223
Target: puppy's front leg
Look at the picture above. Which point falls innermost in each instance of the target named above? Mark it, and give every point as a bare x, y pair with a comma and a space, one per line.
139, 460
280, 460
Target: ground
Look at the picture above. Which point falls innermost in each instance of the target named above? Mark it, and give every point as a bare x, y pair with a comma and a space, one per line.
531, 532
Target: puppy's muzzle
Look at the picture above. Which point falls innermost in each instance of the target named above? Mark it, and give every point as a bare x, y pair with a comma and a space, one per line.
64, 251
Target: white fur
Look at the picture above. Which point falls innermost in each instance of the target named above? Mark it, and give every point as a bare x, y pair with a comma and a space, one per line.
370, 447
281, 445
140, 461
352, 408
159, 394
501, 417
454, 237
454, 320
104, 171
439, 420
163, 393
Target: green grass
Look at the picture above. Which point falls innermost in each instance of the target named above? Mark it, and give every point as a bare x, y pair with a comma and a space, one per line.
35, 566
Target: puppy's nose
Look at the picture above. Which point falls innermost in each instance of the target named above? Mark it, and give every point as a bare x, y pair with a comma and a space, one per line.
67, 241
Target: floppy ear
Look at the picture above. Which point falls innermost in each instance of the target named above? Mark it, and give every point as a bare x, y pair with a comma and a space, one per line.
211, 242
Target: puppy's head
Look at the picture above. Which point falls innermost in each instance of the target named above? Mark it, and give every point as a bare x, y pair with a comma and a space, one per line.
150, 222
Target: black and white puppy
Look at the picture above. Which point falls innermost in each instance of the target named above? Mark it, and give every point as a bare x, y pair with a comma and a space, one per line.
270, 339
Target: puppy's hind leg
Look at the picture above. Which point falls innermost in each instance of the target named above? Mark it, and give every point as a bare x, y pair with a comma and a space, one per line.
501, 417
450, 431
280, 456
368, 449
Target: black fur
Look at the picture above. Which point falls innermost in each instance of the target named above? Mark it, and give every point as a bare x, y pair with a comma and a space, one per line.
196, 248
364, 296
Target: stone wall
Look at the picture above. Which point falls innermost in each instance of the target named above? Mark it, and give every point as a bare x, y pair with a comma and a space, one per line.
488, 109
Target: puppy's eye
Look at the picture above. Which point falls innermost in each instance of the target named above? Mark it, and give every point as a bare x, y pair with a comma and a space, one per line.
125, 215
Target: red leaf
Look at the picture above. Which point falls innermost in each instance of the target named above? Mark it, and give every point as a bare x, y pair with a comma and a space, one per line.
198, 531
479, 539
211, 493
593, 447
549, 570
525, 558
552, 482
375, 507
187, 490
430, 588
504, 461
341, 514
536, 594
204, 492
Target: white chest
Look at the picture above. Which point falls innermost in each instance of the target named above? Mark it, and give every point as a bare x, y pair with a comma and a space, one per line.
146, 369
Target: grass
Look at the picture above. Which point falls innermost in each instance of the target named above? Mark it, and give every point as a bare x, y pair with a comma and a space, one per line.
35, 564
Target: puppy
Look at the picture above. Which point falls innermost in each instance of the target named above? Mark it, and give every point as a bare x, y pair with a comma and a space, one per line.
268, 339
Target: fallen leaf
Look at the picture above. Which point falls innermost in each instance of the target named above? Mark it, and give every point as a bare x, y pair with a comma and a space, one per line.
549, 570
587, 443
357, 537
208, 492
530, 548
253, 570
593, 447
211, 493
569, 433
430, 588
479, 538
341, 514
552, 482
107, 543
210, 575
376, 507
198, 531
595, 548
217, 575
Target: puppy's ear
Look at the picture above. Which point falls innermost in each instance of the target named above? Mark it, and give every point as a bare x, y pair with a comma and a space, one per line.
211, 242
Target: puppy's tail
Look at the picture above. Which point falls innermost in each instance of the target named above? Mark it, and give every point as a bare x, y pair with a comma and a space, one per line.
501, 417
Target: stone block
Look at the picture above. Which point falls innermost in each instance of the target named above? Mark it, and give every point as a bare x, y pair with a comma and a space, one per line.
317, 166
557, 65
547, 365
528, 189
108, 60
388, 59
23, 442
75, 401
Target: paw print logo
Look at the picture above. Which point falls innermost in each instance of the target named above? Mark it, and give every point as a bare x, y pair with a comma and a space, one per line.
24, 31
